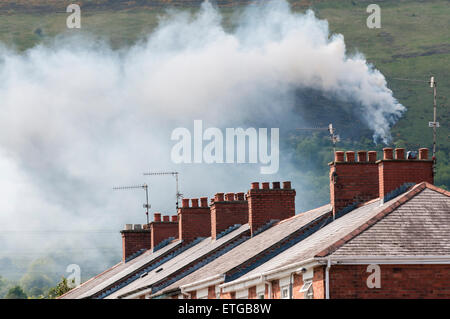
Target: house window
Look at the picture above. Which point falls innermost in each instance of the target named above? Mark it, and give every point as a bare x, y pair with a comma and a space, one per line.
285, 292
307, 289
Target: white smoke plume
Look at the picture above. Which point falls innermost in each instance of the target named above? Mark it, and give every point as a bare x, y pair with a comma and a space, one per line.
77, 117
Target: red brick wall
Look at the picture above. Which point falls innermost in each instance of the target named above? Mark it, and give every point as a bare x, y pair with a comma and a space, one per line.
266, 204
394, 173
211, 292
228, 295
319, 283
397, 281
227, 213
163, 230
276, 294
135, 240
356, 182
297, 284
252, 293
194, 222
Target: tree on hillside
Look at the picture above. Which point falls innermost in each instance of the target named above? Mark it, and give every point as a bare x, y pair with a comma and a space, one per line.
16, 292
61, 288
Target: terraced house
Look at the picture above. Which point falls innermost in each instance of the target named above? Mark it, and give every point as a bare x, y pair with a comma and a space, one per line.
385, 234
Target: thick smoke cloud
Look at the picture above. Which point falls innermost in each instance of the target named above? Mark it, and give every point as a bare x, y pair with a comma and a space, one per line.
78, 117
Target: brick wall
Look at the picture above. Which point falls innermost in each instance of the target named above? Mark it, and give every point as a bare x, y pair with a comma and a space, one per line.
228, 295
397, 281
394, 173
267, 203
353, 181
162, 230
135, 240
228, 211
193, 221
252, 293
211, 292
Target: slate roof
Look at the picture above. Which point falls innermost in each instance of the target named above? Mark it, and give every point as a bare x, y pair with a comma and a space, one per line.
414, 223
117, 272
252, 247
189, 258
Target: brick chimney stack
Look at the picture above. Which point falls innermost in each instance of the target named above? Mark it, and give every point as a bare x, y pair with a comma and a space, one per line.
194, 221
162, 230
134, 238
227, 211
267, 203
353, 181
393, 173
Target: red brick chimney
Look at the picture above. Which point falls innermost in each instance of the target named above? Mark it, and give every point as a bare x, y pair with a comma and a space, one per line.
267, 203
228, 211
161, 230
194, 221
394, 172
134, 239
353, 181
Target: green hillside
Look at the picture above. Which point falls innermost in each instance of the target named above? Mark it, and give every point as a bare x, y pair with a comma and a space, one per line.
413, 43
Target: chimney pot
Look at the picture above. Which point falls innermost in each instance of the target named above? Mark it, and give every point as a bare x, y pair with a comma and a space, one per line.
265, 185
229, 197
185, 202
219, 197
287, 185
174, 218
128, 226
157, 217
362, 156
204, 201
194, 202
388, 153
255, 185
137, 226
276, 185
339, 156
423, 153
350, 156
372, 156
166, 218
240, 196
400, 153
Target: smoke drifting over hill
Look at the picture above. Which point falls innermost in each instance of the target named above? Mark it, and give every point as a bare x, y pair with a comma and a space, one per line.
78, 117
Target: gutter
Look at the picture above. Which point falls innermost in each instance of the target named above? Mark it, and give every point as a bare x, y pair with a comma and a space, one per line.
272, 274
386, 260
204, 283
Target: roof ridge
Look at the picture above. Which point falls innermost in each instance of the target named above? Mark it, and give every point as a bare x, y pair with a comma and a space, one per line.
415, 190
301, 214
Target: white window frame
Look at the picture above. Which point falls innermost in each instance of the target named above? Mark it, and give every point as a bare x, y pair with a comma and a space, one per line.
307, 289
202, 293
242, 294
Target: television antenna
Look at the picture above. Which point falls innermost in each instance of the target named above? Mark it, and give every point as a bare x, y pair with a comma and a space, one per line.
175, 174
144, 187
331, 130
434, 124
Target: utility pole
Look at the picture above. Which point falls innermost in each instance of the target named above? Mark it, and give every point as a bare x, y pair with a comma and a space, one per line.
434, 124
178, 195
143, 186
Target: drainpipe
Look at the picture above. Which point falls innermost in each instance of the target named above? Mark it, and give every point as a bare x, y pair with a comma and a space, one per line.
327, 279
291, 285
184, 293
